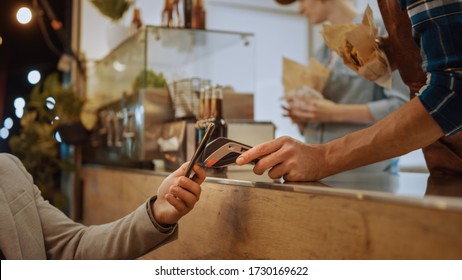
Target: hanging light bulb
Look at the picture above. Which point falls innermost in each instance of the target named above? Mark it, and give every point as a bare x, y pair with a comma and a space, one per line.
51, 102
19, 103
34, 77
24, 15
4, 133
8, 123
19, 112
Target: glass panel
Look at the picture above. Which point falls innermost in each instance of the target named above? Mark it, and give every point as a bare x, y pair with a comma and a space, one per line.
225, 58
110, 77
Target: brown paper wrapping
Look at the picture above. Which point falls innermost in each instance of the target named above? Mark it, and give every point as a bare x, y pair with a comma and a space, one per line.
356, 45
296, 75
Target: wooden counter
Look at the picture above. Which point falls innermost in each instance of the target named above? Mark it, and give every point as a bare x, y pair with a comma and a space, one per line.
347, 216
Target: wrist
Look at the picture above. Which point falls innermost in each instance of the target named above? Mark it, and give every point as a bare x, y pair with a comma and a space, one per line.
156, 216
329, 167
338, 113
338, 157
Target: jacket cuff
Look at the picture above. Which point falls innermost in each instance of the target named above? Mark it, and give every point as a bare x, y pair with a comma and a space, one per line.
168, 229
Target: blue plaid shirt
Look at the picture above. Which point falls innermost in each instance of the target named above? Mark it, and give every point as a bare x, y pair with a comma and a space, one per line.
437, 29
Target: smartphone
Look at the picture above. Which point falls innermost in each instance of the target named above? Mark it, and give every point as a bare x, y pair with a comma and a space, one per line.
200, 149
222, 152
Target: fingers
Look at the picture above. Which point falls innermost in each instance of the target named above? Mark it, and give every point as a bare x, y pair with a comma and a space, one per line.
178, 194
199, 177
186, 191
178, 204
270, 154
267, 162
302, 115
259, 151
282, 159
277, 172
285, 170
181, 170
289, 113
183, 192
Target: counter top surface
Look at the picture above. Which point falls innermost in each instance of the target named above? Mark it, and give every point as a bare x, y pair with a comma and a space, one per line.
420, 189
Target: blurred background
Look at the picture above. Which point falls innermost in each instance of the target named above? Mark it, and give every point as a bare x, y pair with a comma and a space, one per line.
29, 51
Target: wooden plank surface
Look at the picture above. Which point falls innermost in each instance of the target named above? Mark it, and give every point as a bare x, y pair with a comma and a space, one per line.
236, 222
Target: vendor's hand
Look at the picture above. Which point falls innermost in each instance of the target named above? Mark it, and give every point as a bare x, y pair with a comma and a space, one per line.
312, 110
287, 158
177, 195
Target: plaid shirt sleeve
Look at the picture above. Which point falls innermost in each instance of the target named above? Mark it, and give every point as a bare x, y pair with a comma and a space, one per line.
437, 28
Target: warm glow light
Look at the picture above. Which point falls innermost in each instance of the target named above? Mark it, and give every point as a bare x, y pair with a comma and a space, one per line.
34, 77
4, 133
1, 40
19, 103
55, 119
24, 15
8, 123
119, 67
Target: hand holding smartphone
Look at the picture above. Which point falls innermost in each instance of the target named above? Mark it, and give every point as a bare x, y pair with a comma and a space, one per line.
200, 149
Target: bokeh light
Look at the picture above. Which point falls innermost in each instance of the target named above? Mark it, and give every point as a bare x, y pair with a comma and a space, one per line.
119, 67
8, 123
19, 103
24, 15
4, 133
50, 102
58, 137
34, 77
19, 112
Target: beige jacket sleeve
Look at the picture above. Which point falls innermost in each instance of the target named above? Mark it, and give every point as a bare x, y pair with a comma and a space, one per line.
37, 222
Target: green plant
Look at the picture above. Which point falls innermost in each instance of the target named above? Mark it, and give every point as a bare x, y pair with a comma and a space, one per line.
149, 78
68, 105
113, 9
36, 145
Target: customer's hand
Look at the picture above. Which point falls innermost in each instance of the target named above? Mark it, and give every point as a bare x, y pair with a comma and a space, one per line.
287, 158
177, 195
